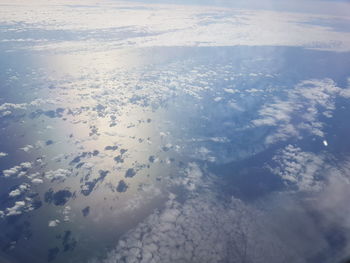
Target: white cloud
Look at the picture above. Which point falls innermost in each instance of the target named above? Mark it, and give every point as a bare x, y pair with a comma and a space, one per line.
17, 209
27, 148
300, 111
66, 213
57, 175
20, 190
37, 181
190, 178
18, 170
26, 165
145, 194
169, 25
204, 229
53, 223
300, 169
2, 154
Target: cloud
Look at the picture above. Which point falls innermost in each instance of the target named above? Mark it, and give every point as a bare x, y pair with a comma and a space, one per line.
20, 190
165, 25
300, 111
27, 148
299, 169
66, 213
37, 181
58, 175
17, 209
18, 170
210, 227
145, 194
204, 229
53, 223
190, 178
2, 154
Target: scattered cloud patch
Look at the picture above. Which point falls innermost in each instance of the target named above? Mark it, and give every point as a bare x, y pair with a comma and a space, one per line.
19, 190
18, 170
300, 169
300, 111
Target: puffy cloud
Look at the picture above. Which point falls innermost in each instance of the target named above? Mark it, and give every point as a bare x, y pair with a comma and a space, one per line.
23, 206
17, 209
298, 168
27, 148
2, 154
18, 170
37, 181
208, 227
57, 175
26, 165
12, 106
20, 190
205, 229
53, 223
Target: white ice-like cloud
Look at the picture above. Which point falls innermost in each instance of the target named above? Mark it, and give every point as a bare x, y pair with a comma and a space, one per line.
2, 154
168, 25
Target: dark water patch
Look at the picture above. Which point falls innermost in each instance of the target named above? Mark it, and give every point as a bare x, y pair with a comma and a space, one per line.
249, 179
82, 155
79, 165
58, 198
118, 159
88, 187
86, 211
15, 234
130, 173
58, 113
152, 159
122, 151
122, 186
93, 130
52, 254
68, 242
78, 158
49, 142
111, 148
